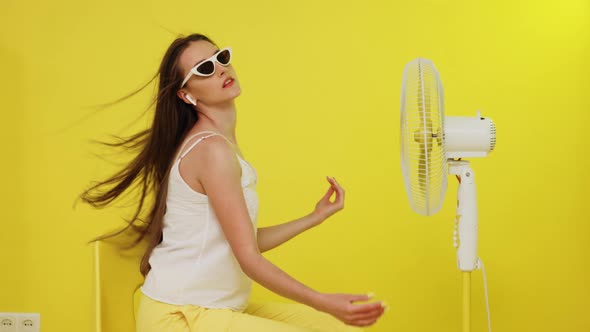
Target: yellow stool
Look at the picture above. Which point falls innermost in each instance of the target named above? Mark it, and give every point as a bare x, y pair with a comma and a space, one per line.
117, 281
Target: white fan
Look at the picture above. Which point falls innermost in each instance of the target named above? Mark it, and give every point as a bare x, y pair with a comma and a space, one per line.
433, 145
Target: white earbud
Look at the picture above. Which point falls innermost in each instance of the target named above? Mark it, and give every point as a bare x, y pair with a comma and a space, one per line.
191, 100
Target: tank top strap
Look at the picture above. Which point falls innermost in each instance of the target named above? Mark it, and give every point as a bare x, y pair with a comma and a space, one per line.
211, 133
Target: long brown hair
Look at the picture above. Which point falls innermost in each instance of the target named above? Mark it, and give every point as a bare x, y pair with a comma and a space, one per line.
157, 146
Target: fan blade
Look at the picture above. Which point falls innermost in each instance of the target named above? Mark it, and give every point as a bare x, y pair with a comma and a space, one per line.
422, 178
424, 109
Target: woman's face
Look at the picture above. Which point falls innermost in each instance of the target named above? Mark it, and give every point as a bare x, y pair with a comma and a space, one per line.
210, 90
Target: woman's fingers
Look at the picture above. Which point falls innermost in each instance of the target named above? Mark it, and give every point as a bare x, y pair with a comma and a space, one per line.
327, 207
342, 306
361, 297
368, 315
339, 191
328, 194
366, 322
365, 308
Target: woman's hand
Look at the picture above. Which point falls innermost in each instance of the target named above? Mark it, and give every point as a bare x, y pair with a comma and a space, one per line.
325, 208
342, 307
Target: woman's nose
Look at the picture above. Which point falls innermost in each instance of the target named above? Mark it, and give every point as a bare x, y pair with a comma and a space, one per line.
220, 69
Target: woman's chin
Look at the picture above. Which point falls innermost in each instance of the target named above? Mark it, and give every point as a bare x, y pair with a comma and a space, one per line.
236, 93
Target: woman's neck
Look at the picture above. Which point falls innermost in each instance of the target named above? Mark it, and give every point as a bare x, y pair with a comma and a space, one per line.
219, 119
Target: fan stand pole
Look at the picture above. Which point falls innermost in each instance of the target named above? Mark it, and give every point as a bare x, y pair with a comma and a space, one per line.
465, 235
466, 301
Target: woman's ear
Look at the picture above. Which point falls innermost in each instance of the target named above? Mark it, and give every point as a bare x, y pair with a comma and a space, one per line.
194, 102
182, 95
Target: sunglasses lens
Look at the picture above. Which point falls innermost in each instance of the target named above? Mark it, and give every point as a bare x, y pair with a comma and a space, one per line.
206, 68
224, 57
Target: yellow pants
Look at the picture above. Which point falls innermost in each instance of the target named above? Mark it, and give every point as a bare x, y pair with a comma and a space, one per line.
155, 316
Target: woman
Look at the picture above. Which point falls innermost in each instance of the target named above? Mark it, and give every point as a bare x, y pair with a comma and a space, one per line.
203, 245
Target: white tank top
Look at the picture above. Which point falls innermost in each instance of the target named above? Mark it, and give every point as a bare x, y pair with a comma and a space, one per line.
194, 263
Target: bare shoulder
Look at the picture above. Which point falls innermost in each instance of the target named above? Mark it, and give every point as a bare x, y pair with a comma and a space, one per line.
215, 149
212, 155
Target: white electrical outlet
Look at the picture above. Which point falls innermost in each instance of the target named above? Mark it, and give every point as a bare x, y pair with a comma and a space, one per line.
7, 322
20, 322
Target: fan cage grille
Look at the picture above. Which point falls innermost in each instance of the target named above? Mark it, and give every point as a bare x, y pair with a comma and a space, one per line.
423, 156
493, 135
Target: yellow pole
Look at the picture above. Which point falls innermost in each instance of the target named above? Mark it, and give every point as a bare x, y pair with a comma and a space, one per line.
466, 300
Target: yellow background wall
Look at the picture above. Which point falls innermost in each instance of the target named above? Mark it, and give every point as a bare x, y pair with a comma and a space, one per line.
320, 96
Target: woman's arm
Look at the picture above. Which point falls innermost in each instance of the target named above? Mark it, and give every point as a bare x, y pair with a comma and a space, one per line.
219, 173
273, 236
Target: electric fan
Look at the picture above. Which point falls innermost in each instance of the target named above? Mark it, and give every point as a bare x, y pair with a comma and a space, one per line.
433, 145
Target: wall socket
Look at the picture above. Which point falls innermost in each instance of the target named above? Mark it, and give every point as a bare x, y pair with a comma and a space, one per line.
20, 322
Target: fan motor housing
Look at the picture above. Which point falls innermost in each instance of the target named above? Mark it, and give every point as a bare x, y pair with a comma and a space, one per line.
469, 136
